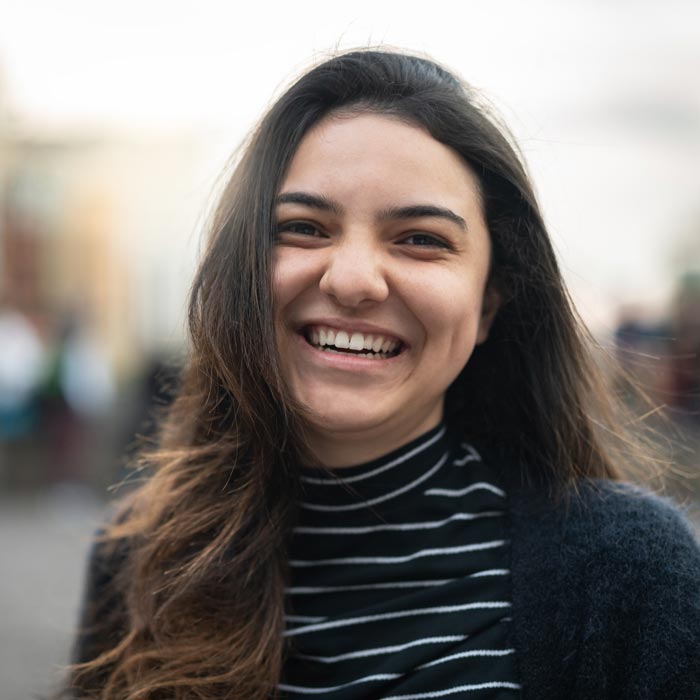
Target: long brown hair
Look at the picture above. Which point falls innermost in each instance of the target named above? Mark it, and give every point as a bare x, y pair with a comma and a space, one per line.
193, 566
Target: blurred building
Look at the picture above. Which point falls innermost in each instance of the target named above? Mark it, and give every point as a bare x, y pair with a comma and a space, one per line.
102, 226
99, 233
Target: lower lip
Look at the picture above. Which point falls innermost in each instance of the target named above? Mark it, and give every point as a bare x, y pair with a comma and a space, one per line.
348, 361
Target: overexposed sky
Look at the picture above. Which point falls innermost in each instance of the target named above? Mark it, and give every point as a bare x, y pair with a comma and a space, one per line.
603, 96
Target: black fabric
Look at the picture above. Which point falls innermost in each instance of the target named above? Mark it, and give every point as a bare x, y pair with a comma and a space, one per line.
399, 582
605, 594
102, 618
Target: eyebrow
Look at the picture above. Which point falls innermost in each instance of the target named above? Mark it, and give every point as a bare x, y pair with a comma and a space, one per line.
419, 211
413, 211
315, 201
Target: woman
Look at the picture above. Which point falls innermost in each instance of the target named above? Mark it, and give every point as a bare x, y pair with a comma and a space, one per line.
390, 468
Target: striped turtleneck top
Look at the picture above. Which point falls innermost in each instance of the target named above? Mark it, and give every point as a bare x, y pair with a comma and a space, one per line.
399, 583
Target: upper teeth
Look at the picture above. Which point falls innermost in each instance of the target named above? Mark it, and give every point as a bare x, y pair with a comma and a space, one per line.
322, 335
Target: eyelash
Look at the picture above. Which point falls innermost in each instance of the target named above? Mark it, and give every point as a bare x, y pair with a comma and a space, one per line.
433, 241
290, 226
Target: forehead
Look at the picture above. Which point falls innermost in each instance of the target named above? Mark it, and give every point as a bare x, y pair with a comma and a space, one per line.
375, 157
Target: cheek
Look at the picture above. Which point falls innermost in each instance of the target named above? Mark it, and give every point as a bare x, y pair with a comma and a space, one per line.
290, 276
449, 308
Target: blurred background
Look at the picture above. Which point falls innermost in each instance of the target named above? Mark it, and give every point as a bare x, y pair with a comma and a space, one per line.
115, 123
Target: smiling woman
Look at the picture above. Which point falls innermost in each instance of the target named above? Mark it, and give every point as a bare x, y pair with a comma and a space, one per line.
377, 243
392, 470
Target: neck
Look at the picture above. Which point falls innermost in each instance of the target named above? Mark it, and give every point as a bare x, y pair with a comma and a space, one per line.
337, 449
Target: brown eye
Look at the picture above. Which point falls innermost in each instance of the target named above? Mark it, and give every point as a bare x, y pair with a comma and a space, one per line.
425, 240
301, 228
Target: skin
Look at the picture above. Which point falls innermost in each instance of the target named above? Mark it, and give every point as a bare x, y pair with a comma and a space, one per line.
353, 257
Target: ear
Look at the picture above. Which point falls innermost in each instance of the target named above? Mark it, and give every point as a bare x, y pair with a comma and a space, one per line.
489, 308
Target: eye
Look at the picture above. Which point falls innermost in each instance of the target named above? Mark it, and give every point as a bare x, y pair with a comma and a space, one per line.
301, 228
425, 240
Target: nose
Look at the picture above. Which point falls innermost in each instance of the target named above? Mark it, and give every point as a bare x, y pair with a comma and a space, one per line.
354, 275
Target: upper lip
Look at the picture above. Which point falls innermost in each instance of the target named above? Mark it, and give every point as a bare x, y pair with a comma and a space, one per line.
352, 326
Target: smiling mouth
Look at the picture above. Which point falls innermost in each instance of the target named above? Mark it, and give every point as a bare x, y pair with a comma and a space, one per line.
372, 346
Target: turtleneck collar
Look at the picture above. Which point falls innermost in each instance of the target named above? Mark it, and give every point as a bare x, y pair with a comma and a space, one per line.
379, 481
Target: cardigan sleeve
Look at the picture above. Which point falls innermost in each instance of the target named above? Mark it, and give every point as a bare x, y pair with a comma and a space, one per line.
606, 596
657, 640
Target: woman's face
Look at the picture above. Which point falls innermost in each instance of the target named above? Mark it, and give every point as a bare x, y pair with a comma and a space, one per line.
379, 282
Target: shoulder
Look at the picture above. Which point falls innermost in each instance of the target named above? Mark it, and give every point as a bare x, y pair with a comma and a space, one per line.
102, 610
625, 530
616, 518
591, 513
108, 554
626, 505
106, 558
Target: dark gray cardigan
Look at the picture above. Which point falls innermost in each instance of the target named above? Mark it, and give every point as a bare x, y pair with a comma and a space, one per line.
606, 596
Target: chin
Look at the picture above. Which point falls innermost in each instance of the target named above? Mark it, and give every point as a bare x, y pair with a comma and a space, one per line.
330, 422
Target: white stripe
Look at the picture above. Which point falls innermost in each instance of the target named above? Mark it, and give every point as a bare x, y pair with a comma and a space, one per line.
384, 467
490, 572
383, 650
466, 654
470, 448
462, 492
303, 618
398, 560
380, 499
439, 610
303, 590
313, 691
471, 456
363, 530
456, 689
